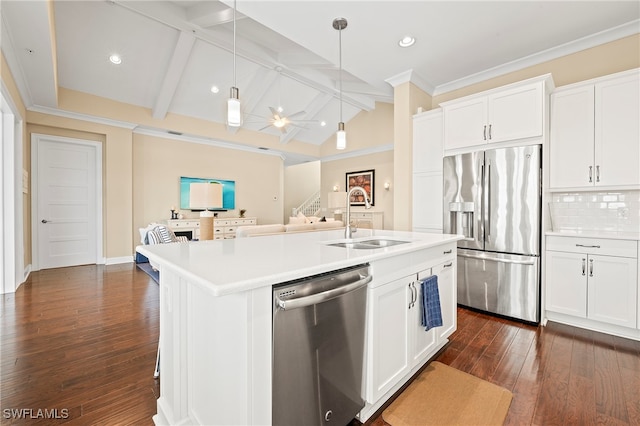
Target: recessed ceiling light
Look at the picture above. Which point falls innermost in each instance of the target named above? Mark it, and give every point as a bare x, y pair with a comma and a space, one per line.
215, 89
323, 123
115, 59
407, 41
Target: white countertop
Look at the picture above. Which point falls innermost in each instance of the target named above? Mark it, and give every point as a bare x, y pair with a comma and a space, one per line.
233, 265
613, 235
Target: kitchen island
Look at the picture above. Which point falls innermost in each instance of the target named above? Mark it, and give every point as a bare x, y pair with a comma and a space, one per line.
216, 312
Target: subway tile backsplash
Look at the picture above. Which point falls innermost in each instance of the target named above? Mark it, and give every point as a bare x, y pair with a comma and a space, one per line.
617, 211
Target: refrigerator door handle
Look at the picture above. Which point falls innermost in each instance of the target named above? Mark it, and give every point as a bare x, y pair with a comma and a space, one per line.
483, 207
493, 259
487, 213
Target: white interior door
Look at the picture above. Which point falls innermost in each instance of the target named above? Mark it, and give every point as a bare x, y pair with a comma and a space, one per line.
66, 195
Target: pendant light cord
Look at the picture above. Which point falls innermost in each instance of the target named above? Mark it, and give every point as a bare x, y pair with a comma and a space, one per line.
340, 62
234, 44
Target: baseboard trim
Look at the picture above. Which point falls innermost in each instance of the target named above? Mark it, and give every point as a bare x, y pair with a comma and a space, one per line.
118, 260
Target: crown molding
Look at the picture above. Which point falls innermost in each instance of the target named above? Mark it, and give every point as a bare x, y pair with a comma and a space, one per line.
413, 77
83, 117
358, 153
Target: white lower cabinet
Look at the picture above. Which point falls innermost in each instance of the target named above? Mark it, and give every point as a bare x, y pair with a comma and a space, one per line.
389, 305
399, 344
592, 279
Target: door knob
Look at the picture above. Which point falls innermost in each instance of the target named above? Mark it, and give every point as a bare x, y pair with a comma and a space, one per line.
44, 221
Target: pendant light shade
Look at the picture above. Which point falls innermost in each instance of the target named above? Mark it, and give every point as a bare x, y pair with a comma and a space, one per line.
234, 113
341, 136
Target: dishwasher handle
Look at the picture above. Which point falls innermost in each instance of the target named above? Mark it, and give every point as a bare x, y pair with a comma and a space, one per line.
324, 296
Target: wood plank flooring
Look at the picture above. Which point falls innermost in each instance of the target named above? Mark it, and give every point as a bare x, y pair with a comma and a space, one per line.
81, 343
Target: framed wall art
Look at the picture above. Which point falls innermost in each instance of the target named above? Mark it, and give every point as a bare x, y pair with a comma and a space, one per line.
365, 179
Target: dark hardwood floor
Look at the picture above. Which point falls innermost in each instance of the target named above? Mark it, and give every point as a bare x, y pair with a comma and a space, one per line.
81, 343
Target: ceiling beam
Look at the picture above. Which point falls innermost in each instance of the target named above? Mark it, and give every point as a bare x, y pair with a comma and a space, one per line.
210, 14
172, 77
167, 13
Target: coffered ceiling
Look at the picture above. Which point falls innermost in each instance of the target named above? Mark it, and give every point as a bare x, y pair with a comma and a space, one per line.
173, 52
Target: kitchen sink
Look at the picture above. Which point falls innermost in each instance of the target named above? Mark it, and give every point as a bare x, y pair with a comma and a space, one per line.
368, 244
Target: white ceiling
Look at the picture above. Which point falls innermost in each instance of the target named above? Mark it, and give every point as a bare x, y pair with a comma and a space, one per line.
287, 51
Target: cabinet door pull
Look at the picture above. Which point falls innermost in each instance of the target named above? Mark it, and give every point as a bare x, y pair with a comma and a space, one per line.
590, 174
484, 132
583, 266
448, 265
414, 296
597, 173
583, 245
489, 131
447, 251
590, 267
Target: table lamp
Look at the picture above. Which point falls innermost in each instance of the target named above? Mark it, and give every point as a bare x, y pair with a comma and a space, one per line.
336, 202
205, 196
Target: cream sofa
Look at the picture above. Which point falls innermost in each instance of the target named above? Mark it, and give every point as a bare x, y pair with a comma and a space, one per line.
255, 230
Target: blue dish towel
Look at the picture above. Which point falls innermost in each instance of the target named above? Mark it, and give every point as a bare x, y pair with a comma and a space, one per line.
431, 311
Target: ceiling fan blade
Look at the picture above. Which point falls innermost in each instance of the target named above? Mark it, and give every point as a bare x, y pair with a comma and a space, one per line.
296, 114
299, 126
283, 130
275, 113
264, 128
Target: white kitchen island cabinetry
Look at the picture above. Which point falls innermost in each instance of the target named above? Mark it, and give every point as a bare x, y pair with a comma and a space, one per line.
513, 112
216, 312
593, 283
595, 133
398, 345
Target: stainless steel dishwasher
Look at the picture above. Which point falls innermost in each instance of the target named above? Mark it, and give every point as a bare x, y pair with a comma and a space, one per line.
318, 348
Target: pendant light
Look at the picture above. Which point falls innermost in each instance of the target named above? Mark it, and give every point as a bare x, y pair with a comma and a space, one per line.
341, 136
234, 114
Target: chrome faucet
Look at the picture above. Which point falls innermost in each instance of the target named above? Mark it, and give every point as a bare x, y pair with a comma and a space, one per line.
367, 205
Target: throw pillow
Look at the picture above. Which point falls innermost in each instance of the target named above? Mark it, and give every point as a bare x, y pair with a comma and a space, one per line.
154, 237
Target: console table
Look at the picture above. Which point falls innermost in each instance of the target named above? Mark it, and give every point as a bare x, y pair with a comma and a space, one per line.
222, 227
368, 219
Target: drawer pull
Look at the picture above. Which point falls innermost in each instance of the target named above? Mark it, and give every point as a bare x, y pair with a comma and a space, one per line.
448, 265
447, 251
583, 245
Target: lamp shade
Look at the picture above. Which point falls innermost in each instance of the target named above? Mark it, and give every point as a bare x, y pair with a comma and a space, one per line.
337, 200
203, 196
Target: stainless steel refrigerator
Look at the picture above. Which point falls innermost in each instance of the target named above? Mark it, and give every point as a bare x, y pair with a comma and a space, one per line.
493, 198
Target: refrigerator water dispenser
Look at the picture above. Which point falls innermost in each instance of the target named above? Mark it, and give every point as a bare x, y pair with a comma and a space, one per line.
462, 218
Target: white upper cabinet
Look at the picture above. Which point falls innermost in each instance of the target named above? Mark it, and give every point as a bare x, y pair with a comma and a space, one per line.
509, 113
617, 131
595, 133
465, 123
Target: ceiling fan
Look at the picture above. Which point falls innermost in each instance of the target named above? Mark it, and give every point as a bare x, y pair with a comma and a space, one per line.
281, 121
